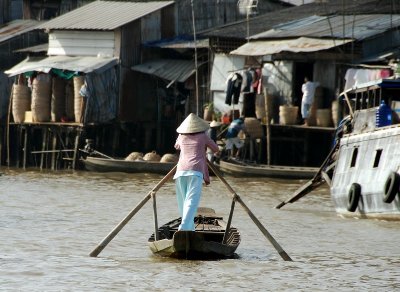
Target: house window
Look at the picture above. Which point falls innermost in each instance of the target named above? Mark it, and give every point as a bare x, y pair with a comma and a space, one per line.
354, 157
378, 155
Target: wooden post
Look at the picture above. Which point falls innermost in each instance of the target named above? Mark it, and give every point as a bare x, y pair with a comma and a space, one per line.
268, 127
18, 145
54, 148
251, 145
8, 125
25, 147
1, 145
44, 142
153, 195
76, 148
115, 139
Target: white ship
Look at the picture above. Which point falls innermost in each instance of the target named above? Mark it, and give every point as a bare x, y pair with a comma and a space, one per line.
364, 172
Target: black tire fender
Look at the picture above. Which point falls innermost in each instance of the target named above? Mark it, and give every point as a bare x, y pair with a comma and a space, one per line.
354, 197
391, 187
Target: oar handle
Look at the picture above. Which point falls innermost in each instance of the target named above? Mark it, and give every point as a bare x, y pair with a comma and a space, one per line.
118, 228
236, 197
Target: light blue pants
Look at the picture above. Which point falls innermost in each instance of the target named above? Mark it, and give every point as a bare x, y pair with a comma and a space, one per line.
188, 193
305, 110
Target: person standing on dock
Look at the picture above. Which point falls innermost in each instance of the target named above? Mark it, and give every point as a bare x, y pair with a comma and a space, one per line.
192, 167
308, 89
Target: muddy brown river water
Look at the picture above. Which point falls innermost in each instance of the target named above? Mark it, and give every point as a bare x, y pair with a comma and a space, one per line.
51, 221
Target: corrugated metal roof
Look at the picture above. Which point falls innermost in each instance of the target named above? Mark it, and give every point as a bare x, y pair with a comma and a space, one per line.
172, 70
303, 44
181, 44
79, 64
104, 15
262, 23
34, 49
336, 26
17, 27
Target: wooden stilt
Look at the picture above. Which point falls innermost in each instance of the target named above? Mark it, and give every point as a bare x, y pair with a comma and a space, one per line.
116, 135
44, 142
76, 149
18, 145
25, 150
54, 148
1, 145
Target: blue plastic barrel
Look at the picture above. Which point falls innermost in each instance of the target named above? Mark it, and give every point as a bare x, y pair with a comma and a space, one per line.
383, 115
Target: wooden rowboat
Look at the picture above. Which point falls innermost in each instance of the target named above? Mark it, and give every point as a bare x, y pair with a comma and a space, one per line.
239, 168
204, 243
120, 165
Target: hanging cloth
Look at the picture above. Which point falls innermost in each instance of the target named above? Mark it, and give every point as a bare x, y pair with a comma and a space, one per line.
234, 85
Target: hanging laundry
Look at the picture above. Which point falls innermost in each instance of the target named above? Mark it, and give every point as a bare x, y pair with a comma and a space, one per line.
249, 104
257, 81
247, 81
234, 85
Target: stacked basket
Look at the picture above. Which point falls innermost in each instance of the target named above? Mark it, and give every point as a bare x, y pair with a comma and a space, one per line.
253, 128
41, 98
57, 99
69, 100
78, 99
288, 115
21, 102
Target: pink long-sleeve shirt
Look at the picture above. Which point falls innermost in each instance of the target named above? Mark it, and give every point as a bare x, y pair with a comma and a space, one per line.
193, 153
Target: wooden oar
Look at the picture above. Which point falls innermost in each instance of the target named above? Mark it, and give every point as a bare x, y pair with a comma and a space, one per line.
118, 228
236, 197
311, 185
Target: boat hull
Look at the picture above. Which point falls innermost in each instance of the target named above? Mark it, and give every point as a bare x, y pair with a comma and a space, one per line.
204, 243
367, 160
260, 170
120, 165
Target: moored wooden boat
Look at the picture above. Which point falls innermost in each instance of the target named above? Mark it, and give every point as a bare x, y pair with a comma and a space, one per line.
120, 165
239, 168
204, 243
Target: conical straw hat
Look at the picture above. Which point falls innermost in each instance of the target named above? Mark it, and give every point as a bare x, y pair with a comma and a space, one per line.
193, 124
215, 124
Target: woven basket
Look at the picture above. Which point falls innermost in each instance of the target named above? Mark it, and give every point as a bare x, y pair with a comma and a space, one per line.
260, 106
78, 99
169, 158
152, 156
21, 102
335, 113
288, 114
134, 156
324, 117
58, 99
254, 128
69, 100
41, 98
